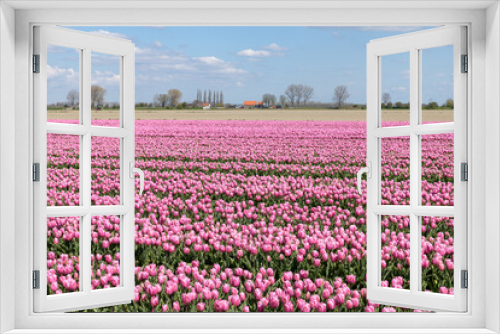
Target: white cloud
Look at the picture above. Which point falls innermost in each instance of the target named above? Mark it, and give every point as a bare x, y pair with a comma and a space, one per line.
109, 33
105, 78
57, 72
275, 47
336, 34
254, 53
399, 89
157, 44
239, 84
141, 51
210, 60
405, 74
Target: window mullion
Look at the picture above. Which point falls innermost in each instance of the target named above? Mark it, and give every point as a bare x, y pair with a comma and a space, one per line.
86, 173
415, 168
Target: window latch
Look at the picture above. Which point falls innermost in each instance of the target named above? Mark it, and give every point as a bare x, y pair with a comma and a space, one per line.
367, 170
132, 171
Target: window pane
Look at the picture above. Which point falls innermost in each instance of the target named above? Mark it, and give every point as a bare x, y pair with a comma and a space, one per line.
438, 169
63, 253
105, 90
63, 170
395, 260
395, 171
105, 255
105, 185
437, 254
437, 84
395, 92
63, 84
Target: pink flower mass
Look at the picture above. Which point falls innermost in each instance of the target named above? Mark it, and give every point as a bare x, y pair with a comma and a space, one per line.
249, 216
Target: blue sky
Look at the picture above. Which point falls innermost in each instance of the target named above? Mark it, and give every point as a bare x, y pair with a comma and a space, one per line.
247, 62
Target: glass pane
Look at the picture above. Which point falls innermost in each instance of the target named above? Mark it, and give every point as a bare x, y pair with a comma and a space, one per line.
63, 170
437, 254
395, 92
395, 170
63, 251
105, 164
437, 84
105, 255
395, 260
105, 90
438, 169
63, 84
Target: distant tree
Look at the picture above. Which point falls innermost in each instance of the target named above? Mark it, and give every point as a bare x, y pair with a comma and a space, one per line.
389, 105
431, 105
291, 93
221, 98
398, 105
282, 100
162, 100
300, 93
449, 104
174, 97
205, 96
308, 93
198, 97
73, 97
386, 98
269, 99
340, 95
210, 96
97, 94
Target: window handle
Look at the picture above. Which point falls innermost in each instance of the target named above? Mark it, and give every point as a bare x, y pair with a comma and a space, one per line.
368, 171
134, 170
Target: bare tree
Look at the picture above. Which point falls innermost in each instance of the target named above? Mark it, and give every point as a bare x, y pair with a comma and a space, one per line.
174, 97
386, 98
73, 97
269, 99
221, 98
97, 94
210, 96
300, 93
291, 93
340, 95
308, 93
282, 100
162, 100
205, 96
198, 97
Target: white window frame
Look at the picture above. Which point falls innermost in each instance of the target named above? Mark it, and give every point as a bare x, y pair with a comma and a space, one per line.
414, 44
484, 102
86, 44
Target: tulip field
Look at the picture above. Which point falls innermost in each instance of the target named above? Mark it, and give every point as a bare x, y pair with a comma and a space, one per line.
250, 216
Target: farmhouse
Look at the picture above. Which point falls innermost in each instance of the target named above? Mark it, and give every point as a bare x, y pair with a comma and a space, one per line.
253, 104
206, 106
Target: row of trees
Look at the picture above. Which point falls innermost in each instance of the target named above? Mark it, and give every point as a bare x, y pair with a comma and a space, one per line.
299, 94
215, 98
386, 103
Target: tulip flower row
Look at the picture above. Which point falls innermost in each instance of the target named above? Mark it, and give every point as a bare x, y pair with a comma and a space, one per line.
246, 195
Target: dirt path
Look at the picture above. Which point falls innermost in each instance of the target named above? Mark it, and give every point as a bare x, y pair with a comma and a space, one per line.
266, 114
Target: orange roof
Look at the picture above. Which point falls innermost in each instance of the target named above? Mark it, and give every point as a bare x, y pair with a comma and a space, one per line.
206, 104
258, 103
249, 103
